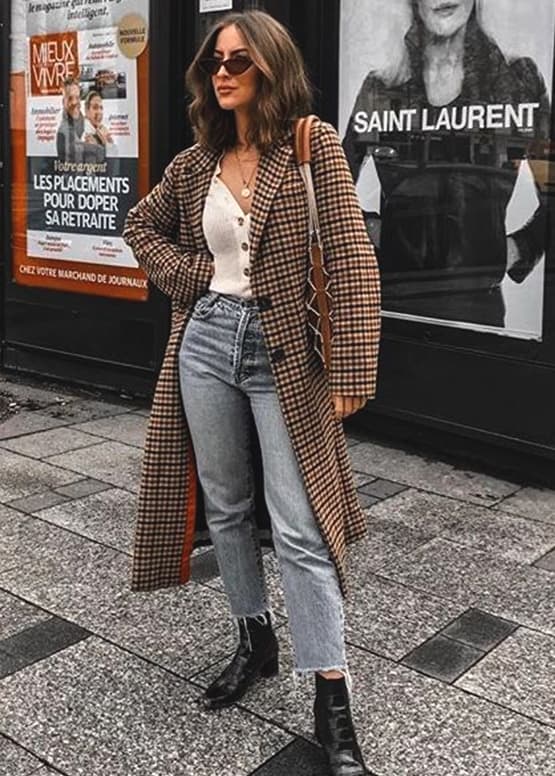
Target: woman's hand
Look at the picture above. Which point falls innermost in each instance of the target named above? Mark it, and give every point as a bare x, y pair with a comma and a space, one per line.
104, 135
347, 405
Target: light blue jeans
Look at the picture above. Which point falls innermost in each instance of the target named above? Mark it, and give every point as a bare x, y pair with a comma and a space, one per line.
224, 368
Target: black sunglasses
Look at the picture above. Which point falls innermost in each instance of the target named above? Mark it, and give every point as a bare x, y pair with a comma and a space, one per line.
233, 65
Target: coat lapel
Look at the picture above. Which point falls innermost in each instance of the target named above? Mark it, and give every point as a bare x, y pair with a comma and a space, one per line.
202, 164
271, 170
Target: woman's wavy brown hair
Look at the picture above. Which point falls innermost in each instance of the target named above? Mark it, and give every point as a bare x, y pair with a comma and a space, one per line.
284, 91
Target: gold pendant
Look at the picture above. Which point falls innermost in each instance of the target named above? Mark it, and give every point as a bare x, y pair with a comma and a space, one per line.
246, 192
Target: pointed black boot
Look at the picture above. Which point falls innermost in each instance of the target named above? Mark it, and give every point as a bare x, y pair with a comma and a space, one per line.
334, 728
256, 655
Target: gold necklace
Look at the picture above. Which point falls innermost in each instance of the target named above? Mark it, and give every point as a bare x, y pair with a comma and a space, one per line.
246, 190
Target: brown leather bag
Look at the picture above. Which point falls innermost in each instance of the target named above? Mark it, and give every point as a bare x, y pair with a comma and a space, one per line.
319, 301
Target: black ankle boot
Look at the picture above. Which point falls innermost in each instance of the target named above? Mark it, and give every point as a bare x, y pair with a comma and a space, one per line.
256, 655
334, 727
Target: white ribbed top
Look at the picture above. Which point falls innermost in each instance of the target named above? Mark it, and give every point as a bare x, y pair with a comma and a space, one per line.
226, 229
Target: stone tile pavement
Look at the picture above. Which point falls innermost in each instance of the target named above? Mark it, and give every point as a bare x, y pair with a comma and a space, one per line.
450, 625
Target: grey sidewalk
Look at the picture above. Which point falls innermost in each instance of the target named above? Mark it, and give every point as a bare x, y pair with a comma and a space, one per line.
450, 626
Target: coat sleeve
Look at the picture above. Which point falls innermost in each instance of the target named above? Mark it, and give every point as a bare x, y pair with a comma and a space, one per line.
351, 262
151, 230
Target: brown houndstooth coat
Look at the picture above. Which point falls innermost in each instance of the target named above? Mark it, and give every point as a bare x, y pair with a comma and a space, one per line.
165, 232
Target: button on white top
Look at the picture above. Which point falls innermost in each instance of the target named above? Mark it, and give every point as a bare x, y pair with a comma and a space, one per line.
226, 229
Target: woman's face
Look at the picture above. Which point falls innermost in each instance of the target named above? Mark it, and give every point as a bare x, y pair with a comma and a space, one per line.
234, 92
444, 18
95, 111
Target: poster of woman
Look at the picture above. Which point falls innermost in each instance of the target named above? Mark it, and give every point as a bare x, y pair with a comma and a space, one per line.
445, 116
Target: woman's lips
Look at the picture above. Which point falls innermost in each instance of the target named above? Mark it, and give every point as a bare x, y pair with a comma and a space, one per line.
446, 9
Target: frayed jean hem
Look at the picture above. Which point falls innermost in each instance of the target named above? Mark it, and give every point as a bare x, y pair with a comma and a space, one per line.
302, 674
261, 617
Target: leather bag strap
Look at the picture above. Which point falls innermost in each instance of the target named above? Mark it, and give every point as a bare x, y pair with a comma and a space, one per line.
319, 304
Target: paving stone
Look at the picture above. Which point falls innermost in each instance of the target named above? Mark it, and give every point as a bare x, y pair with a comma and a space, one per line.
512, 537
361, 478
51, 442
431, 475
41, 640
129, 428
385, 541
427, 513
204, 566
442, 658
9, 664
82, 488
17, 532
534, 503
17, 424
22, 476
98, 462
299, 757
479, 629
183, 628
16, 615
546, 562
96, 710
391, 619
366, 501
518, 674
107, 517
470, 577
31, 504
29, 545
83, 410
16, 761
382, 488
409, 724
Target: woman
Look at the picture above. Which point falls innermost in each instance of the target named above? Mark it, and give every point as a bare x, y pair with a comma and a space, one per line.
446, 182
97, 136
225, 236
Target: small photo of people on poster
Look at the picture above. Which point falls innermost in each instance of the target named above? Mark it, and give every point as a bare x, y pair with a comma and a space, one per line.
445, 118
82, 135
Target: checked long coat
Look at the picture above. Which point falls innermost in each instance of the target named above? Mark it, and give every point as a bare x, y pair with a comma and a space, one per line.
165, 233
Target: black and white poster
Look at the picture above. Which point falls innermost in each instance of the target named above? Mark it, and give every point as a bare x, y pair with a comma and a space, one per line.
445, 115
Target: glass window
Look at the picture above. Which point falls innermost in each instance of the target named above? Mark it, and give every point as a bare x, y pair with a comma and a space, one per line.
445, 115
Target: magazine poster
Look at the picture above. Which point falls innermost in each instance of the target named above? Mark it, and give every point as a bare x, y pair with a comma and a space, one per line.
80, 87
